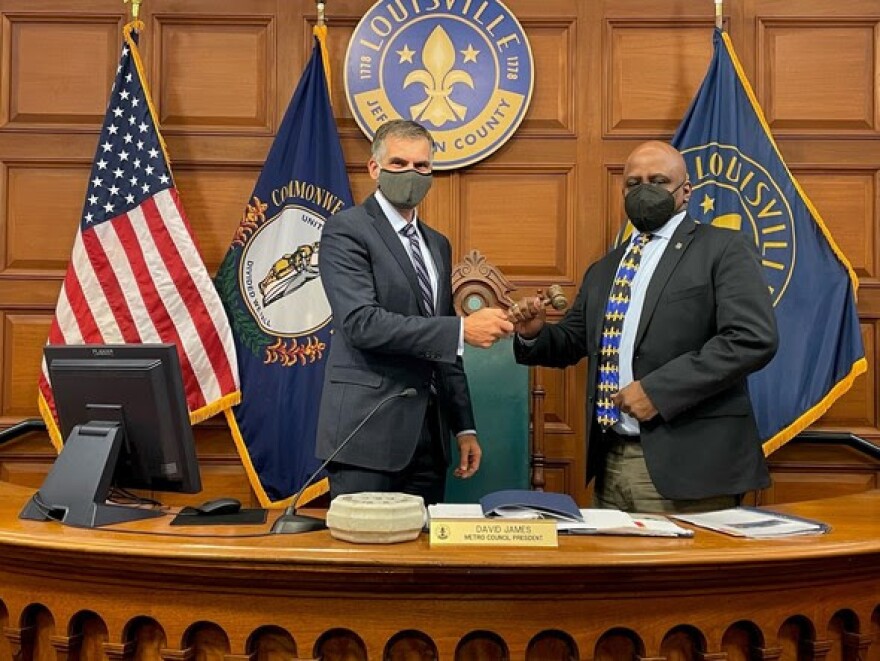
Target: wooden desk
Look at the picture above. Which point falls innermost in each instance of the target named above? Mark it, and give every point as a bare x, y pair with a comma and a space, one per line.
68, 593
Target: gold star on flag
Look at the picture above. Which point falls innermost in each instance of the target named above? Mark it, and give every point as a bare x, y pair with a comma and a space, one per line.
470, 55
708, 204
406, 55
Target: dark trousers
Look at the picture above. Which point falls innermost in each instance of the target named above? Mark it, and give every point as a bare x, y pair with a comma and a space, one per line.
424, 476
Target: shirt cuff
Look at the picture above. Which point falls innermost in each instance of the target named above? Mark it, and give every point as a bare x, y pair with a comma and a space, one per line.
461, 338
465, 432
526, 342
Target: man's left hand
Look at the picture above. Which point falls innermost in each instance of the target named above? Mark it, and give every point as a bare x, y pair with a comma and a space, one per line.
634, 401
470, 453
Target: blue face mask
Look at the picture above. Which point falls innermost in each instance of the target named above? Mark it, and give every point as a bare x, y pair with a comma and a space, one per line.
650, 206
406, 188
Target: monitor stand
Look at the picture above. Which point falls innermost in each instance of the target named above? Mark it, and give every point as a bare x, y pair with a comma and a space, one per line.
77, 487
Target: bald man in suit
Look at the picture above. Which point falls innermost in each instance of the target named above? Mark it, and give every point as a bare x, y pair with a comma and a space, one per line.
672, 322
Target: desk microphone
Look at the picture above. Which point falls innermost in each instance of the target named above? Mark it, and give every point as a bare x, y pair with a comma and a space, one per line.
290, 522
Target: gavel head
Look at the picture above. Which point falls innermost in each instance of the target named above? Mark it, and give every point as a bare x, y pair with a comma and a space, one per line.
556, 297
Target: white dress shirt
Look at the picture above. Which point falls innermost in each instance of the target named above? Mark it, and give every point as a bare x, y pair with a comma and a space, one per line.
651, 254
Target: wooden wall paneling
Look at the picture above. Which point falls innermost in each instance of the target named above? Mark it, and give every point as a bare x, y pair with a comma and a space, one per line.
798, 484
857, 409
28, 293
4, 212
361, 184
44, 203
56, 68
214, 73
529, 237
552, 110
816, 75
648, 84
616, 216
847, 201
440, 210
214, 197
804, 471
565, 466
23, 338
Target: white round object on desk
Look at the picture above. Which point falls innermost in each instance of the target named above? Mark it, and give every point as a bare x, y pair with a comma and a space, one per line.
376, 518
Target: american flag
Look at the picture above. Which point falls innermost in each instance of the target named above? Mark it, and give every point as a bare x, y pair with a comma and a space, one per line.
136, 275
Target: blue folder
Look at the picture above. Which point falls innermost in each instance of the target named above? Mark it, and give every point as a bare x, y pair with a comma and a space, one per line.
519, 503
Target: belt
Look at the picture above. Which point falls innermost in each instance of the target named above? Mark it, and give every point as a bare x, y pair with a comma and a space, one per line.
622, 438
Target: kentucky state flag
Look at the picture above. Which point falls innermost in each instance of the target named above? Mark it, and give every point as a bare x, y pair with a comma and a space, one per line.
741, 182
271, 288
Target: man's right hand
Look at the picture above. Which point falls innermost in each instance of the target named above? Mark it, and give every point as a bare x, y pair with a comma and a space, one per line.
529, 315
485, 327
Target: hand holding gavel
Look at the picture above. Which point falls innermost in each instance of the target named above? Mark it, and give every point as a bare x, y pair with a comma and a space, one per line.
554, 297
528, 313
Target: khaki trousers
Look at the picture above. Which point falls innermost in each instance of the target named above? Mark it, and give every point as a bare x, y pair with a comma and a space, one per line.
626, 484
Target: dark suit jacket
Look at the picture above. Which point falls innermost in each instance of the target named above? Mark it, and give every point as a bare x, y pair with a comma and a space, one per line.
706, 324
382, 344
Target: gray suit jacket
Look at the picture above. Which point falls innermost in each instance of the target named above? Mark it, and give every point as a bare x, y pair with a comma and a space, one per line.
706, 324
382, 344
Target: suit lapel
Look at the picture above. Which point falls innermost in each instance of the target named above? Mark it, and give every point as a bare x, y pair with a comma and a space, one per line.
392, 241
679, 242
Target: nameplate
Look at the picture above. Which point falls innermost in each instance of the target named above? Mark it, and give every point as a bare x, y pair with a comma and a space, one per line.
494, 532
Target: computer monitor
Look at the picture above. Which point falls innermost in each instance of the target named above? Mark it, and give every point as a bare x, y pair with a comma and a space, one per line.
123, 412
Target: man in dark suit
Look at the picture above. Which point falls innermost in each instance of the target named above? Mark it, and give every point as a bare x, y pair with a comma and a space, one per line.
388, 279
671, 322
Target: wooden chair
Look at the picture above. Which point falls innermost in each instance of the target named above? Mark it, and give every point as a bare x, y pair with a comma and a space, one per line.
508, 401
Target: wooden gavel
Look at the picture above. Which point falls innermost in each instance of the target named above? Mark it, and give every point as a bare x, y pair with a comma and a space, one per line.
554, 297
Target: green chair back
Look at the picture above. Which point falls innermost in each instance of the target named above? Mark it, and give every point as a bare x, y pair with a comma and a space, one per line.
500, 396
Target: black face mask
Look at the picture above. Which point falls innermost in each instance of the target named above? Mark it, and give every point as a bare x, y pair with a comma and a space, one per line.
650, 206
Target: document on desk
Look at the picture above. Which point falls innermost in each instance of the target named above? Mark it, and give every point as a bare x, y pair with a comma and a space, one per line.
615, 522
455, 511
754, 523
595, 521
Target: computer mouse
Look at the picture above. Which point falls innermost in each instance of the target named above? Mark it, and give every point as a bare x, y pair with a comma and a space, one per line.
219, 506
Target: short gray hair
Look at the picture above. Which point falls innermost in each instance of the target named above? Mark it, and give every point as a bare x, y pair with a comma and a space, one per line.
399, 128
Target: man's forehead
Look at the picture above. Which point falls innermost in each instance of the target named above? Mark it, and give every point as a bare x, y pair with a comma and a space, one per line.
652, 162
397, 145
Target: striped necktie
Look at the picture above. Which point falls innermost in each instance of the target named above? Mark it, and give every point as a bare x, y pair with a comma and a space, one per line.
418, 260
607, 413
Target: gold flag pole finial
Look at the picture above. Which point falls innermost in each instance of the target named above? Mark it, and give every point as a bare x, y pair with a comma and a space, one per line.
320, 4
135, 8
719, 14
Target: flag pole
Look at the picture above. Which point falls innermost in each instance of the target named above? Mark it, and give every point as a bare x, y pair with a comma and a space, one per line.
320, 31
719, 14
135, 8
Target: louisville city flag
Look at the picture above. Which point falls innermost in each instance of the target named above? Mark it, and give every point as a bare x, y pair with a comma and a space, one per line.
270, 285
741, 182
135, 273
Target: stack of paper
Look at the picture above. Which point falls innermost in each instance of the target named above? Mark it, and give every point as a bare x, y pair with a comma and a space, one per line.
584, 522
754, 523
615, 522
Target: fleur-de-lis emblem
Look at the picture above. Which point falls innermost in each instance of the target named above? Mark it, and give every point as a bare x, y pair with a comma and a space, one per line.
438, 78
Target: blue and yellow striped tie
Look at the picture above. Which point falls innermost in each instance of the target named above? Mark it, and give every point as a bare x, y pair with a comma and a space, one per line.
607, 414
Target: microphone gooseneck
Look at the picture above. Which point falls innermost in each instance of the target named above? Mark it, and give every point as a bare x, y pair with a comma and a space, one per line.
291, 522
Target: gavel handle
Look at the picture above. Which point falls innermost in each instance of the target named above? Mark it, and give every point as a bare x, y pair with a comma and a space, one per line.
513, 309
